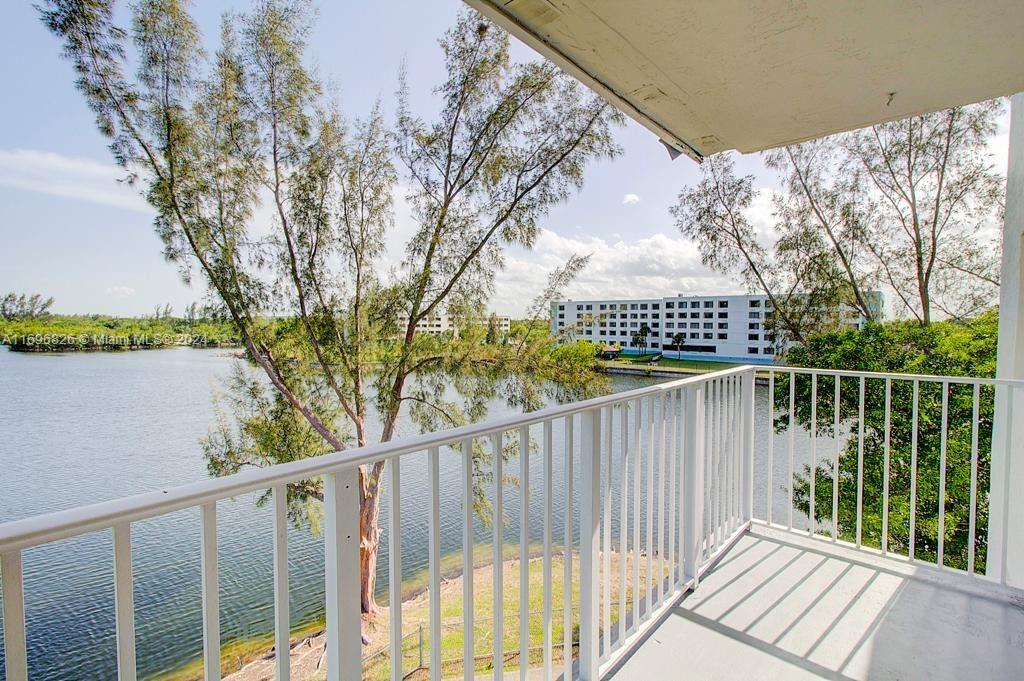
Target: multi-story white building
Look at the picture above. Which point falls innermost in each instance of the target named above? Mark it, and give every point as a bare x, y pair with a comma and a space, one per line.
729, 328
439, 323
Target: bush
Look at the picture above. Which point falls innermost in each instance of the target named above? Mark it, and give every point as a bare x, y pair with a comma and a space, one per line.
943, 349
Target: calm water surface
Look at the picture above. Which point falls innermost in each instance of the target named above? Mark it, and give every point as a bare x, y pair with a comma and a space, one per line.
82, 428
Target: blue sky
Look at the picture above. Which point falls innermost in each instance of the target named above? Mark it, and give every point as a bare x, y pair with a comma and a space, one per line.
70, 230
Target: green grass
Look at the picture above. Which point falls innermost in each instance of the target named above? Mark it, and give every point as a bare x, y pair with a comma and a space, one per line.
415, 614
666, 363
235, 654
416, 618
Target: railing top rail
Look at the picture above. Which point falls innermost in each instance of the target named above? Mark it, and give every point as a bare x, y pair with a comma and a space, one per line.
966, 380
43, 529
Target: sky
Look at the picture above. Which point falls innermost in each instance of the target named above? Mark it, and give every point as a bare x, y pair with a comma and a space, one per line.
70, 229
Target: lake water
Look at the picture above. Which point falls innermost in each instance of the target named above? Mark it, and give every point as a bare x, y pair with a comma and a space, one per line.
82, 428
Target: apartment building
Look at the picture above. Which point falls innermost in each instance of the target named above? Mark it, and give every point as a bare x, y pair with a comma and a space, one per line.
728, 328
440, 323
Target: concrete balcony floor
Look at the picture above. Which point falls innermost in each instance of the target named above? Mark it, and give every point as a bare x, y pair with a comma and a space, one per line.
782, 606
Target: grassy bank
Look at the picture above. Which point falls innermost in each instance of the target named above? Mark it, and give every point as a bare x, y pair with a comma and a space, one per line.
688, 366
248, 660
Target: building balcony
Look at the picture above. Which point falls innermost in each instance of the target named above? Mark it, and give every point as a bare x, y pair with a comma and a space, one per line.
682, 519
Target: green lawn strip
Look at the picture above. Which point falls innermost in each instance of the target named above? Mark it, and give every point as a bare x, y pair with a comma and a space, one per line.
415, 615
670, 364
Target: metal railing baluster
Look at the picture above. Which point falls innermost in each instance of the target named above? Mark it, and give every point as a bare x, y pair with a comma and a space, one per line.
590, 542
498, 546
124, 602
395, 567
973, 512
434, 560
282, 613
567, 561
211, 592
942, 473
524, 551
15, 648
548, 490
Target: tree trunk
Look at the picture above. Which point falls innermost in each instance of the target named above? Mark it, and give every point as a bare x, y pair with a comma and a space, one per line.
369, 547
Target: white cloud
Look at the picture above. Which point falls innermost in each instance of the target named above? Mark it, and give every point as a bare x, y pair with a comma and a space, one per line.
68, 177
630, 199
120, 291
653, 266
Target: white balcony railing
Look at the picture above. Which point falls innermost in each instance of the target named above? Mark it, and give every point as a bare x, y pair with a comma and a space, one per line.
952, 417
666, 475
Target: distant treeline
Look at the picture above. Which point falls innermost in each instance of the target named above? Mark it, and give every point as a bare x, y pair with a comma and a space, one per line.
65, 333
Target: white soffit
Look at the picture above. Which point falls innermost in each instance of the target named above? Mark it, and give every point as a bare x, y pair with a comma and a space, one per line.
711, 75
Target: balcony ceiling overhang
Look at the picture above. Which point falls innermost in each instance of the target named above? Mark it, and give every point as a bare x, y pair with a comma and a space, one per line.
707, 76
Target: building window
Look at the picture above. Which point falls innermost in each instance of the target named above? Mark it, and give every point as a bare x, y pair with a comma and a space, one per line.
694, 335
622, 315
612, 324
753, 326
561, 315
709, 303
655, 306
694, 325
723, 336
670, 315
708, 336
602, 306
723, 303
670, 325
632, 306
709, 315
754, 315
755, 303
752, 351
682, 304
752, 336
669, 305
709, 325
632, 315
561, 307
723, 315
643, 315
695, 315
579, 307
590, 307
654, 345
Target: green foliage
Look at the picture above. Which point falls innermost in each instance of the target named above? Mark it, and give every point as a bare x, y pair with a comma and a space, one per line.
66, 333
24, 306
209, 137
943, 349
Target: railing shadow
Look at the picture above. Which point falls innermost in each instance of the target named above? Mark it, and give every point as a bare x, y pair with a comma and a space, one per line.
817, 611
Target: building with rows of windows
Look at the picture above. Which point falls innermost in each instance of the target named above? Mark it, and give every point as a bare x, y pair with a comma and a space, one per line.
731, 328
438, 323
